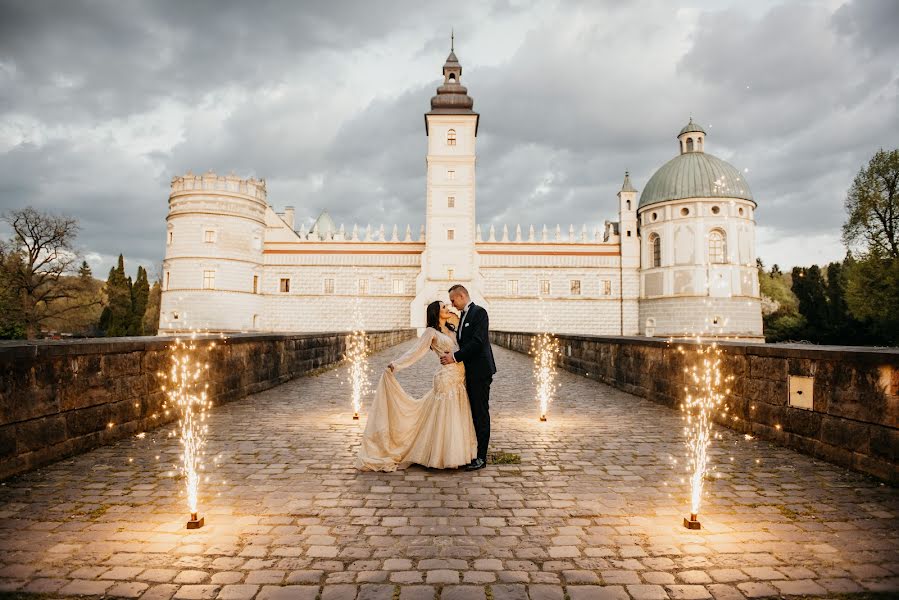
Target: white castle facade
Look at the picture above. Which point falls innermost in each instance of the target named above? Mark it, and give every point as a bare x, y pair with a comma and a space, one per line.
679, 261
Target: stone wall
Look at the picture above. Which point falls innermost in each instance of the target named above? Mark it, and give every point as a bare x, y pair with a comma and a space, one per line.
61, 398
853, 420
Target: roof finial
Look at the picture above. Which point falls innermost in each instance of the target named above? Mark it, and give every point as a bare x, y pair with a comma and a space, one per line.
452, 40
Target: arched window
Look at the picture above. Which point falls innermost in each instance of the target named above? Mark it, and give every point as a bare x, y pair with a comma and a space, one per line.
699, 144
628, 204
655, 244
452, 77
689, 144
451, 137
717, 247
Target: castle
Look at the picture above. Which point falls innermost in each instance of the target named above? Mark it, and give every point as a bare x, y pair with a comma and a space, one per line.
679, 261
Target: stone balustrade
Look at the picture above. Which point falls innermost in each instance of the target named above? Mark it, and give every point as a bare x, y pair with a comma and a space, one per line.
58, 399
840, 404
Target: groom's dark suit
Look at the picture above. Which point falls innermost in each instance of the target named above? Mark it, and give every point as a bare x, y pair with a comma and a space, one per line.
475, 352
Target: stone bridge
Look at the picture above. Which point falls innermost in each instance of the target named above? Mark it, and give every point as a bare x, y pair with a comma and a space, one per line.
593, 509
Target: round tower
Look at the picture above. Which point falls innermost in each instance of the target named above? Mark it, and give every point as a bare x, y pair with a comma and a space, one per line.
212, 273
698, 274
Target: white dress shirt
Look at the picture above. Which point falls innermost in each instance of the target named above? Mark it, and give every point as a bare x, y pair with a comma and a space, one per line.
461, 324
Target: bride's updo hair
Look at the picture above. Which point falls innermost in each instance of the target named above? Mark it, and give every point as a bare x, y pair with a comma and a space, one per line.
432, 315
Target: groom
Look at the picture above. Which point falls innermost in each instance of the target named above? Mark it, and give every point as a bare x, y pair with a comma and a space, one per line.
474, 351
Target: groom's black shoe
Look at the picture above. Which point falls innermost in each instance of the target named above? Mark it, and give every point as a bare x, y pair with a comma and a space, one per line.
478, 463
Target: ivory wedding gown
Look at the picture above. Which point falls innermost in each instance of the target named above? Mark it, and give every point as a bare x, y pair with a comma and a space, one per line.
435, 430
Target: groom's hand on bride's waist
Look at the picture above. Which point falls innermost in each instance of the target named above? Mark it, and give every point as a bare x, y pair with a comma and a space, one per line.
447, 359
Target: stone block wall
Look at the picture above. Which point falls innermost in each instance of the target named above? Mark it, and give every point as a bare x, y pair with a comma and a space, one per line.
853, 421
58, 399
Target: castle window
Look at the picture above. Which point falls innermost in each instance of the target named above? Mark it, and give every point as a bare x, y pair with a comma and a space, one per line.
208, 280
451, 137
175, 316
513, 287
655, 244
699, 143
684, 212
209, 236
168, 276
689, 144
255, 284
285, 285
450, 273
450, 234
399, 286
628, 204
715, 210
329, 286
544, 287
655, 216
363, 287
451, 202
451, 175
606, 286
717, 247
170, 237
575, 287
741, 211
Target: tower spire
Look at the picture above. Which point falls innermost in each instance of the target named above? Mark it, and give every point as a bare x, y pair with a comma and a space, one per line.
452, 40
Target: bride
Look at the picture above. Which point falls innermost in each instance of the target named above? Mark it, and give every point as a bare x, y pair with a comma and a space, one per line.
435, 430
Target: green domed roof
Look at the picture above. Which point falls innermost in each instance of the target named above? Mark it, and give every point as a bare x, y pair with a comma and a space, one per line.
695, 175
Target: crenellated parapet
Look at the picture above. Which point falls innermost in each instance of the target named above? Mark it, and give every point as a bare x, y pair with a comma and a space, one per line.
210, 182
546, 234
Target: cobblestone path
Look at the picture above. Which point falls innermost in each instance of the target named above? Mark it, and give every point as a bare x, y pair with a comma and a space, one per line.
594, 510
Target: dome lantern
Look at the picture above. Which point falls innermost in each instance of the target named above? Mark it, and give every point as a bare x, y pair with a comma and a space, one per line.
691, 137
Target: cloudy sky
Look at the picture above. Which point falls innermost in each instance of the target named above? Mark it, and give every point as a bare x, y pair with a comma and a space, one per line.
101, 103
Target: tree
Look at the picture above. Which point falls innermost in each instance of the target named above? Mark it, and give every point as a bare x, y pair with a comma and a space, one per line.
12, 326
117, 316
873, 207
151, 315
84, 271
36, 262
808, 285
872, 295
140, 293
842, 327
780, 308
872, 230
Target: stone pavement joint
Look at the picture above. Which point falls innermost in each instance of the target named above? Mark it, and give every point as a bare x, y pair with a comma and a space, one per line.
593, 511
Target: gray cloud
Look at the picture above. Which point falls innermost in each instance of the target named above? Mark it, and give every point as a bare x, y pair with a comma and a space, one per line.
101, 103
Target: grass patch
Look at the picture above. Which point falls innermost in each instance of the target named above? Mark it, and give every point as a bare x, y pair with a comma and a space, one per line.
503, 458
97, 512
788, 513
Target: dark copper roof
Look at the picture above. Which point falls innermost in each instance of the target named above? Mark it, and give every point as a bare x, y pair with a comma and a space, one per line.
452, 97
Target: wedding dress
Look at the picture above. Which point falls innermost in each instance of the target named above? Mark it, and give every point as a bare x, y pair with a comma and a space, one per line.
435, 430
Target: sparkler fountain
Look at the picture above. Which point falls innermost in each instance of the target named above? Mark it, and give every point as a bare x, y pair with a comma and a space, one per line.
704, 394
186, 390
357, 357
545, 350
